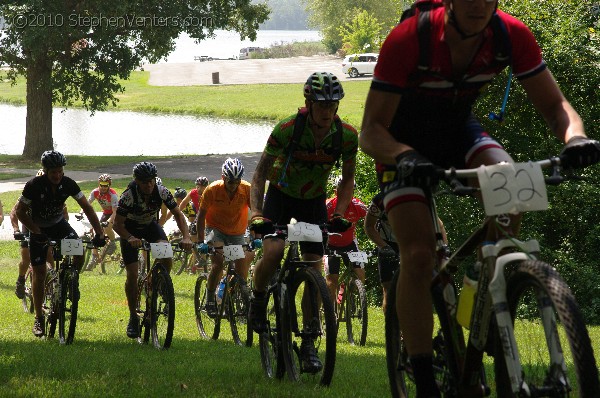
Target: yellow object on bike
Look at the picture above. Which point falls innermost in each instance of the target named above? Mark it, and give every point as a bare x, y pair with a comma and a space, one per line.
465, 302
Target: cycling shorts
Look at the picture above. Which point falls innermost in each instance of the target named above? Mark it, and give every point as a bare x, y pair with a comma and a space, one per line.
214, 236
452, 148
60, 230
281, 208
150, 232
333, 261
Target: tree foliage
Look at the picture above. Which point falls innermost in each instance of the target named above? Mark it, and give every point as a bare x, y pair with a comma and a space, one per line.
362, 33
77, 50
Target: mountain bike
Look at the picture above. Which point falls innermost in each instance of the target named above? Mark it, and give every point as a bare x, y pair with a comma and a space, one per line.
110, 253
522, 312
27, 300
233, 302
280, 344
351, 302
61, 294
156, 296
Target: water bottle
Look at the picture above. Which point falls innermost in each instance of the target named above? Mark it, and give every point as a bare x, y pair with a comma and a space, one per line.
221, 290
467, 295
340, 293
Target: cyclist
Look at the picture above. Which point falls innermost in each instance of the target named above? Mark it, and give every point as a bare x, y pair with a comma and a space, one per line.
223, 216
136, 219
19, 233
415, 116
298, 171
40, 210
344, 243
193, 198
108, 200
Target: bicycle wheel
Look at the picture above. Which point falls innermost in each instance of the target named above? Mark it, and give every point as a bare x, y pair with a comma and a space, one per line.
205, 323
50, 305
69, 302
239, 301
402, 382
543, 309
319, 304
163, 308
181, 258
271, 354
142, 308
27, 300
356, 312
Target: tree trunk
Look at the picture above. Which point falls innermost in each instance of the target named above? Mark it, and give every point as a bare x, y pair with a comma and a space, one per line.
38, 125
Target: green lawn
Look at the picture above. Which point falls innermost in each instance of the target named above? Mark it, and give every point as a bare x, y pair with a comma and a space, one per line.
253, 101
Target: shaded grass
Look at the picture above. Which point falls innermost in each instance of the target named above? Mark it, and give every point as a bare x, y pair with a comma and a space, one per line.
253, 101
10, 176
74, 162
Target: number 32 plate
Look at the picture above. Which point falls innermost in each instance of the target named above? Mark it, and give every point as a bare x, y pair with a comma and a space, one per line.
512, 188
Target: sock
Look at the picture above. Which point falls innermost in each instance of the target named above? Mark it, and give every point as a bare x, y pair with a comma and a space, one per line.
422, 366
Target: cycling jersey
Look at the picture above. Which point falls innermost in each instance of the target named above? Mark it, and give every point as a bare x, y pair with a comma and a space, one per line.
195, 198
230, 216
46, 201
135, 209
354, 212
189, 211
107, 201
309, 168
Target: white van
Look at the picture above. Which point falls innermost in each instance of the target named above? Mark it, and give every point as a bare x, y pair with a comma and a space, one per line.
246, 52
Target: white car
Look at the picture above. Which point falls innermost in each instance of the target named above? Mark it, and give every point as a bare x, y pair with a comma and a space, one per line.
359, 64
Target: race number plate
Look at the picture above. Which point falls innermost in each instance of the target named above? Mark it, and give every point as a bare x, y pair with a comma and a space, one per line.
161, 250
304, 232
512, 188
71, 247
357, 257
233, 252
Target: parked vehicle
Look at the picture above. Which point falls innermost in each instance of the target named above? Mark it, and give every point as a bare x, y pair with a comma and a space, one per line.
359, 64
247, 52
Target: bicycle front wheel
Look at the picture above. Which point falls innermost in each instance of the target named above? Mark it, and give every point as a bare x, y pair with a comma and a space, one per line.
271, 355
356, 312
548, 327
69, 302
301, 321
163, 308
27, 300
181, 258
206, 324
239, 301
51, 303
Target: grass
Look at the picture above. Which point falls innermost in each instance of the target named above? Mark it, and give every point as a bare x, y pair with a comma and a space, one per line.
252, 101
10, 176
102, 361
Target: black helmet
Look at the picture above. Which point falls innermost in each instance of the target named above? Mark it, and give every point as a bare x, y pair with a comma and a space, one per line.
180, 193
144, 170
51, 159
202, 181
323, 86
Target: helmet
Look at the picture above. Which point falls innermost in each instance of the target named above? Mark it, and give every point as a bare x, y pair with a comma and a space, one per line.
105, 178
51, 159
144, 170
40, 172
180, 193
202, 181
158, 181
323, 86
233, 169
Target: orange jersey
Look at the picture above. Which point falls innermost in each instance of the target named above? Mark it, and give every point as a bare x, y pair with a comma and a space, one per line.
230, 216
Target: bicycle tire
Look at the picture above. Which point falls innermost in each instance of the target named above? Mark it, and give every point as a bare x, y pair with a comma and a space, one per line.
356, 312
50, 306
271, 354
163, 308
206, 325
27, 300
321, 305
535, 282
68, 305
142, 308
402, 383
183, 258
238, 298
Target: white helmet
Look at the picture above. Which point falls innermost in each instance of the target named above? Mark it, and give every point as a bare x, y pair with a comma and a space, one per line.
233, 169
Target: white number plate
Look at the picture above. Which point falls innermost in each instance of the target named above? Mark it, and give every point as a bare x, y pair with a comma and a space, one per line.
304, 232
161, 250
358, 257
512, 188
71, 247
233, 252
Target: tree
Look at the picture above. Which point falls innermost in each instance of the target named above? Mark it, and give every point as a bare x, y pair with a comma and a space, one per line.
77, 50
362, 33
329, 15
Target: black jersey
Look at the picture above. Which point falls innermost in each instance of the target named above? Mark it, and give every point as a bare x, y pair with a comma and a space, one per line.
133, 207
46, 203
